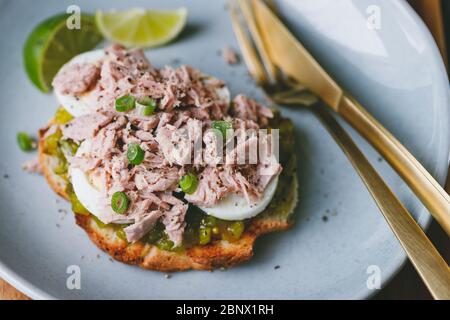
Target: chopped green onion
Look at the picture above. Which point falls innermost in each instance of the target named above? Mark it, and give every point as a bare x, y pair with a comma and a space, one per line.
222, 126
125, 103
62, 116
26, 143
135, 154
147, 106
147, 110
120, 202
204, 235
189, 183
147, 101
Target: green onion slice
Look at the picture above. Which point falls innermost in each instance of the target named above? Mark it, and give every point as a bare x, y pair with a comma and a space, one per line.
189, 183
120, 202
125, 103
222, 126
135, 154
26, 143
147, 110
147, 106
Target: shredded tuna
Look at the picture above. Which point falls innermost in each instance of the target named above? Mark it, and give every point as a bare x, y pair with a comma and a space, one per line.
83, 163
86, 126
174, 222
150, 185
76, 78
248, 109
32, 166
187, 104
210, 188
140, 228
123, 72
170, 199
157, 179
174, 144
229, 55
265, 172
145, 194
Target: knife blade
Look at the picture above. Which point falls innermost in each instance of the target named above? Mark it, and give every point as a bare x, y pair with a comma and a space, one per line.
288, 54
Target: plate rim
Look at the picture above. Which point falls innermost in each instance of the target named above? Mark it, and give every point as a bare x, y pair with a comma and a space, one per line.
400, 261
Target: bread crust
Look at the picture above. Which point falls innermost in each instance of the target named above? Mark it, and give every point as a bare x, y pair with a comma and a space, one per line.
218, 254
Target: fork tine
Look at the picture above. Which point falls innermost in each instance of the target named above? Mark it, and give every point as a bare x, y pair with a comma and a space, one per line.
251, 59
247, 12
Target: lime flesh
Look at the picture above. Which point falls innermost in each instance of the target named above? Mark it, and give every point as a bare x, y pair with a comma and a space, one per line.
140, 27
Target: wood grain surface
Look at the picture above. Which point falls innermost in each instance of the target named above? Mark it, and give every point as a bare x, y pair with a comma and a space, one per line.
431, 13
8, 292
407, 284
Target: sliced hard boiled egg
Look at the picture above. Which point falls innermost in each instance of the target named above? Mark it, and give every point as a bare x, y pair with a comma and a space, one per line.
87, 189
235, 207
80, 105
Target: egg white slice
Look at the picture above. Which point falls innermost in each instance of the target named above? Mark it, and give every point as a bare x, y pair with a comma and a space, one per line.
87, 190
80, 105
235, 207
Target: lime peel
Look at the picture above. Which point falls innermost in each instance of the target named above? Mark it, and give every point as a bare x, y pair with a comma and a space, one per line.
51, 44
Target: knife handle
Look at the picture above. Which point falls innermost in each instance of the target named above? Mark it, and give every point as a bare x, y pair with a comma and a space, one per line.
427, 189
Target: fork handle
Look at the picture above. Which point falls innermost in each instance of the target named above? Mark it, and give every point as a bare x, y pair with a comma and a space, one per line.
430, 265
427, 189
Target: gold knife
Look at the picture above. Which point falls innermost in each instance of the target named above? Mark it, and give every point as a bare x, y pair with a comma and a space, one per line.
295, 61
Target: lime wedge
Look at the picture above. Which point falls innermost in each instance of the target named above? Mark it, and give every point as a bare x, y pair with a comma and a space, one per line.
141, 28
51, 44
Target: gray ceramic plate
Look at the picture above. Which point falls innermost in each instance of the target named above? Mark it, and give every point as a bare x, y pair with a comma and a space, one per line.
396, 73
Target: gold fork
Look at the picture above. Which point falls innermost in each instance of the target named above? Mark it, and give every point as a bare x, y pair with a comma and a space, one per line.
430, 265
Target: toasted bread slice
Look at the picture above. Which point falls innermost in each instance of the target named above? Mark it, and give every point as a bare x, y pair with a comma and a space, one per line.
218, 254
